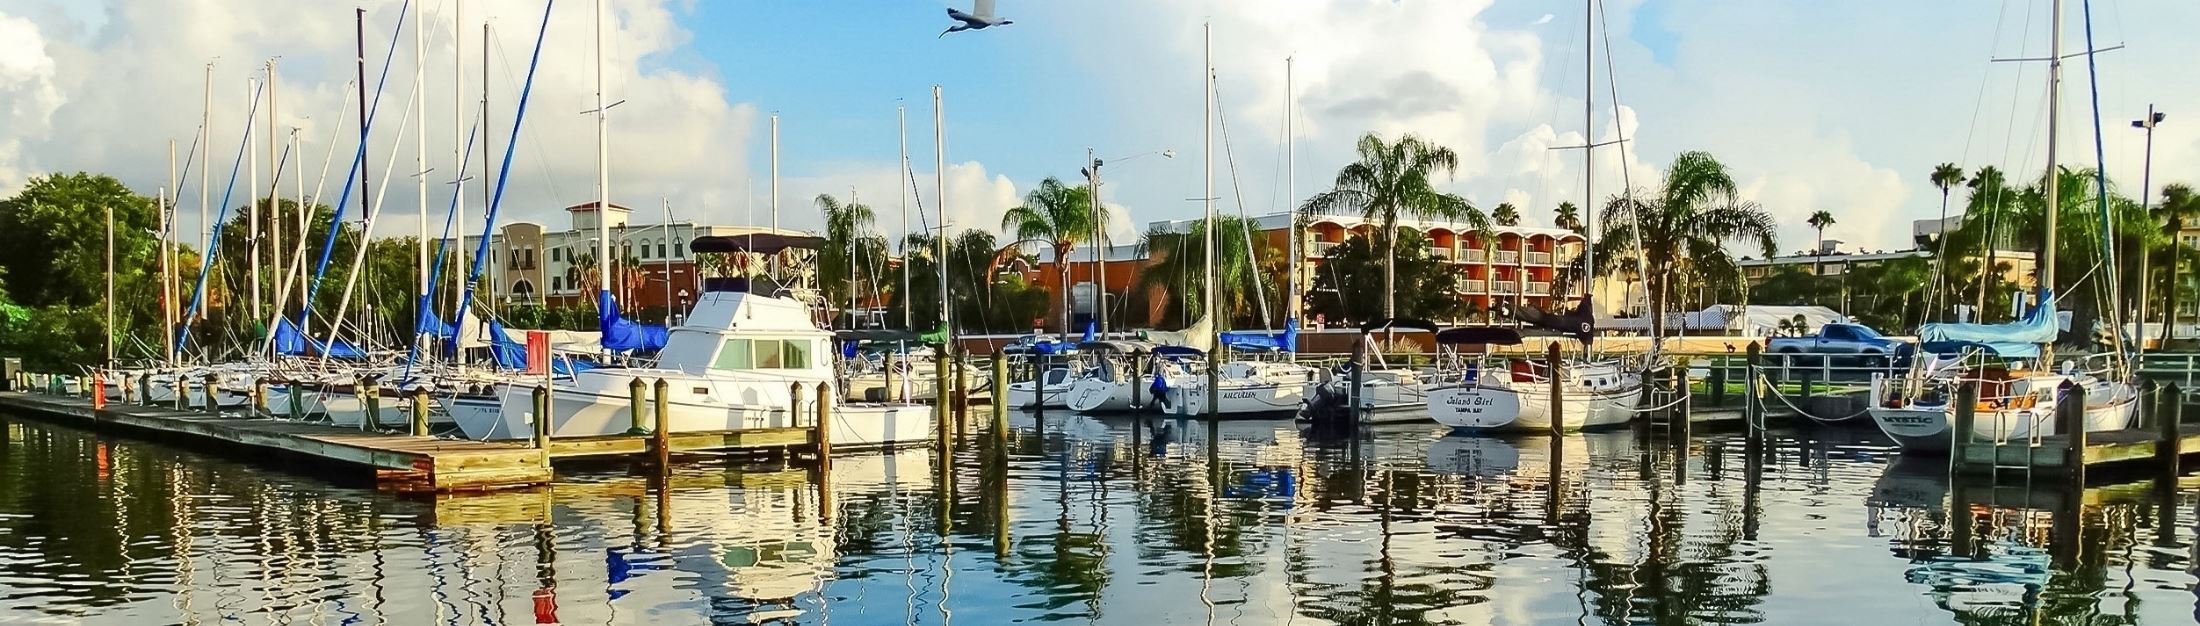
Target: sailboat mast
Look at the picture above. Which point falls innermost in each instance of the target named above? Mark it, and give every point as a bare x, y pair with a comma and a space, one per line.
206, 140
908, 309
458, 150
110, 362
2054, 106
775, 192
420, 148
603, 169
274, 193
939, 201
252, 204
167, 283
1291, 198
1589, 150
1207, 200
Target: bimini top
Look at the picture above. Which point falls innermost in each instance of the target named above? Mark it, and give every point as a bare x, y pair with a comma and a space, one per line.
760, 243
1492, 335
1398, 323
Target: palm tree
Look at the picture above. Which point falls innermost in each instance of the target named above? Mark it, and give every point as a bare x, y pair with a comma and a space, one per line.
1986, 214
1059, 216
851, 247
1683, 229
1819, 221
1176, 268
1569, 217
1945, 176
1394, 179
1505, 215
2178, 204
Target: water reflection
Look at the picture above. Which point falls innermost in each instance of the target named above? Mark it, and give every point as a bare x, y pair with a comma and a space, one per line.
1106, 520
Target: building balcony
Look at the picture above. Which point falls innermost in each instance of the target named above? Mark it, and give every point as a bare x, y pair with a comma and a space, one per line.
1320, 248
1474, 255
1441, 253
1474, 286
1508, 257
1504, 288
1539, 258
1539, 289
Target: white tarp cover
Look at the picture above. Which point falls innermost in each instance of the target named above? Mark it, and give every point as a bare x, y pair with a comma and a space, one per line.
1760, 320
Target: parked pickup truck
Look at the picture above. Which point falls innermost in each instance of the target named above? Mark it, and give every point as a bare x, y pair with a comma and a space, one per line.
1870, 348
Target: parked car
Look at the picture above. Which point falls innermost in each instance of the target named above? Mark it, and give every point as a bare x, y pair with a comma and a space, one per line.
1867, 347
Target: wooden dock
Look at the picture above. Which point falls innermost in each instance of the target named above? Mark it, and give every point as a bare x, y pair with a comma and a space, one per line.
2126, 447
394, 461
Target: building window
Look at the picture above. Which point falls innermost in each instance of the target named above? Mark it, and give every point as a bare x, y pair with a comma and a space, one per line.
530, 258
661, 251
557, 284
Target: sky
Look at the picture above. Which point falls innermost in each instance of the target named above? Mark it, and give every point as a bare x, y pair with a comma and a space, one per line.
1843, 107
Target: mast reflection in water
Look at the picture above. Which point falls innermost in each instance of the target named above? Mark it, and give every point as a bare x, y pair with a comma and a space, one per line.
1093, 520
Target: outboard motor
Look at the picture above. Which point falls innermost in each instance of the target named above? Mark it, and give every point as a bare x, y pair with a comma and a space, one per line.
1329, 410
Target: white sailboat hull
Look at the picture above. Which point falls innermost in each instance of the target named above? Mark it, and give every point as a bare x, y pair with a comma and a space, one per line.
587, 410
1499, 406
1931, 428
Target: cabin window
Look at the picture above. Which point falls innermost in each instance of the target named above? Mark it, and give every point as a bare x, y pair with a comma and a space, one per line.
794, 354
734, 355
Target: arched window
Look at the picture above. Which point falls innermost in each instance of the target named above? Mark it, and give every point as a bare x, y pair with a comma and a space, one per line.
662, 253
523, 289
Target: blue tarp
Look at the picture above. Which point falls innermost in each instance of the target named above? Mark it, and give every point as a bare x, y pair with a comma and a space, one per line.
620, 333
433, 326
1286, 341
511, 355
2014, 340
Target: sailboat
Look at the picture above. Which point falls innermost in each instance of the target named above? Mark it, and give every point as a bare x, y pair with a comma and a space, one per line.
1513, 393
2018, 393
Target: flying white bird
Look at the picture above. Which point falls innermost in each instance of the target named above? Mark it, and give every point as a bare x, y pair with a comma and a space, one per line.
979, 18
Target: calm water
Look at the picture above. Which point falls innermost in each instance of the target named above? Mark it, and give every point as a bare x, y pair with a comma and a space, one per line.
1077, 523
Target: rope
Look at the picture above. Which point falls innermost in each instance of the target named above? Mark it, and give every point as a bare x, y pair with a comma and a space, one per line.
1767, 383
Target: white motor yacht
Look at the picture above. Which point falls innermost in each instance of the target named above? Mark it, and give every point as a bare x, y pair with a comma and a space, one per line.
733, 365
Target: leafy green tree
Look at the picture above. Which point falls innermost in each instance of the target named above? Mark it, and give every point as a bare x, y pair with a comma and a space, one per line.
53, 253
1680, 231
1176, 271
1058, 216
2179, 207
1505, 215
986, 295
1344, 293
1393, 180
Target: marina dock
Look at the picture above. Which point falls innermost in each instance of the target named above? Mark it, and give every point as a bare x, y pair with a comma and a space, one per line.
392, 461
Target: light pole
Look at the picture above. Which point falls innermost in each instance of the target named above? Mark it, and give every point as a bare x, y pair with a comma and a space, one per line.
2146, 196
1100, 238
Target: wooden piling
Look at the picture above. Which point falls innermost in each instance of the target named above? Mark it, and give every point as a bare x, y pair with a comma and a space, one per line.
1752, 407
2070, 420
1717, 383
823, 429
2169, 415
297, 401
960, 372
939, 393
542, 420
419, 396
634, 390
1966, 416
1000, 396
1558, 392
213, 395
182, 385
794, 404
370, 395
145, 389
1687, 402
259, 397
1138, 380
98, 392
893, 362
661, 436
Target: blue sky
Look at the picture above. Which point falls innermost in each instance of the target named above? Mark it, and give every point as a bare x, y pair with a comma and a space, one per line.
1836, 106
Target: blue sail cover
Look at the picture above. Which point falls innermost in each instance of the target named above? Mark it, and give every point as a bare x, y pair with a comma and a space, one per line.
433, 326
1286, 341
511, 355
620, 333
2014, 340
287, 338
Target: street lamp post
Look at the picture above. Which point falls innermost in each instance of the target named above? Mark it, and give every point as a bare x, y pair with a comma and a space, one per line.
1100, 238
2146, 195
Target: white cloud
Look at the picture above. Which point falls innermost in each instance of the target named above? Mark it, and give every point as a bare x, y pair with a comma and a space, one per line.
133, 80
